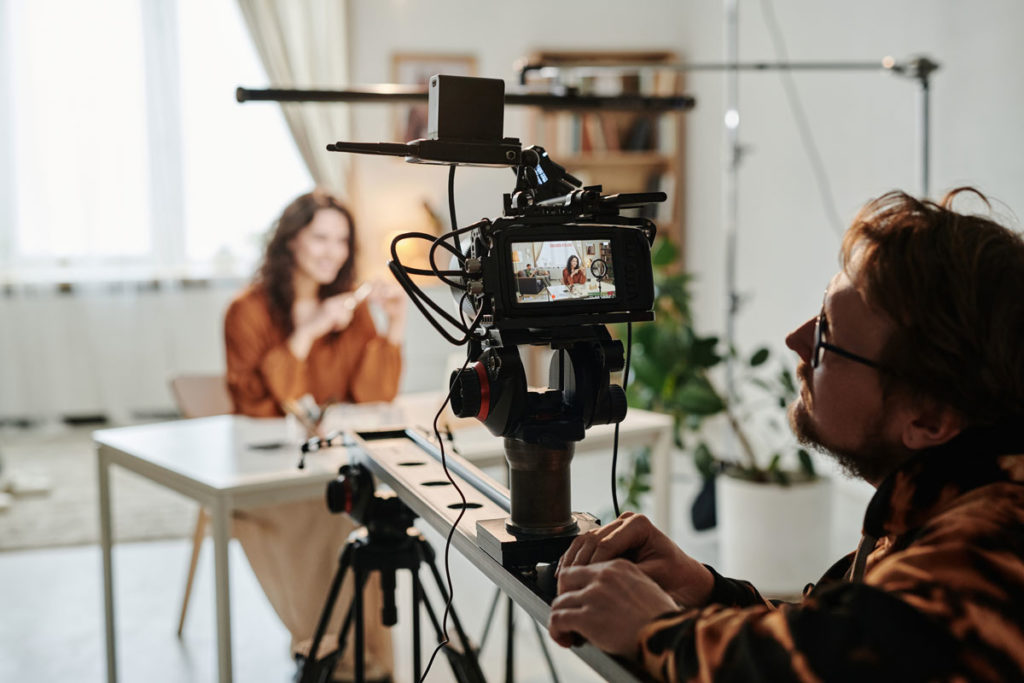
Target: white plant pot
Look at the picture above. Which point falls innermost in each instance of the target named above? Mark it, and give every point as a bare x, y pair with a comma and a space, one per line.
776, 537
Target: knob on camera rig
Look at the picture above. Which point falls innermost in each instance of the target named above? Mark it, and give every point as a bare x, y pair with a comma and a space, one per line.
548, 213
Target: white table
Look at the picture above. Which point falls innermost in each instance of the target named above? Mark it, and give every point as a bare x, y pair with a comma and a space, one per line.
212, 460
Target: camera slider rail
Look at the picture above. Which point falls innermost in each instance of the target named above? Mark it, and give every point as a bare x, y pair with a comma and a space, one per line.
410, 464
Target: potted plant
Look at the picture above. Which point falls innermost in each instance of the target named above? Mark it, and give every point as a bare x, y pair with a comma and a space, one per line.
767, 500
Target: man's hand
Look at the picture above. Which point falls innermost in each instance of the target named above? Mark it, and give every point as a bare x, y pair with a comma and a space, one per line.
633, 537
607, 604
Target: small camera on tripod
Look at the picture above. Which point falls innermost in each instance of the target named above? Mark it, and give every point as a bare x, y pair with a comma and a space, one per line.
353, 492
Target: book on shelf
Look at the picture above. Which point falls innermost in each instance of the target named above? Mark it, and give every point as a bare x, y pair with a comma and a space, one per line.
610, 127
641, 135
594, 132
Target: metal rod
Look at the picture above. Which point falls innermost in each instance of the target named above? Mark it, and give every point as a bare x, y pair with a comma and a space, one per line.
886, 63
391, 93
730, 189
925, 134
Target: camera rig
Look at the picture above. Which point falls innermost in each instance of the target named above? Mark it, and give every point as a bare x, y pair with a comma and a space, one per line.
548, 217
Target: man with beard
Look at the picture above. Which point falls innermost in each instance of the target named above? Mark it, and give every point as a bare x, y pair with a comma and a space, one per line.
912, 376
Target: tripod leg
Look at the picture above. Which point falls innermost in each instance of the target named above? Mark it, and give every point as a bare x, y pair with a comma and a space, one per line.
357, 605
427, 556
465, 665
490, 617
542, 641
332, 596
417, 598
510, 628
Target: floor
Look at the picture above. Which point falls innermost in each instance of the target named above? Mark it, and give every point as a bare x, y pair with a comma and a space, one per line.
52, 628
52, 605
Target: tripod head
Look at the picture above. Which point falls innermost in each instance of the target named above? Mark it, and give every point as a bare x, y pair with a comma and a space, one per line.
353, 491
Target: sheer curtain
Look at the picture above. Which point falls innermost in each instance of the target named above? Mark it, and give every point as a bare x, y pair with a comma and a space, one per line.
304, 45
134, 195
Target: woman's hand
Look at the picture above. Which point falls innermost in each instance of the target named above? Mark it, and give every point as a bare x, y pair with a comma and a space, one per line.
336, 312
393, 302
633, 537
333, 314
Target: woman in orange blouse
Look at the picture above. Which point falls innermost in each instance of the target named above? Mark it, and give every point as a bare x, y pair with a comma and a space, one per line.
299, 329
572, 274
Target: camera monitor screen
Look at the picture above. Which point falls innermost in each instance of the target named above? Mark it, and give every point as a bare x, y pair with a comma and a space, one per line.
563, 270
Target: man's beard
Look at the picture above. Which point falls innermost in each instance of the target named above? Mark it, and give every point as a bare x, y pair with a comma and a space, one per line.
873, 459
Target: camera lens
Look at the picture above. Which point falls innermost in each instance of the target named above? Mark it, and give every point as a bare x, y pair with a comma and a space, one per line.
350, 492
466, 393
339, 495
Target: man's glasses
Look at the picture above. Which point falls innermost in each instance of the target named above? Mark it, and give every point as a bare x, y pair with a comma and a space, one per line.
820, 346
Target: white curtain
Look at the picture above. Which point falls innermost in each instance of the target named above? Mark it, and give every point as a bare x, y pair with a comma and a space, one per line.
304, 44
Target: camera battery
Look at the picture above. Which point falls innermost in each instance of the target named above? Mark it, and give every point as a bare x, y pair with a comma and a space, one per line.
463, 108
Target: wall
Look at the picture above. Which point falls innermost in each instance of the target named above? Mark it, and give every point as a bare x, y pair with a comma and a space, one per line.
866, 127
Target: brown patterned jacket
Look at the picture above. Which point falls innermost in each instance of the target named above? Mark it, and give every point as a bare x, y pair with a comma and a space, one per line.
934, 592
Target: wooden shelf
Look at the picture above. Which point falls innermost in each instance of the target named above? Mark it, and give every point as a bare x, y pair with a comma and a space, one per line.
653, 160
621, 151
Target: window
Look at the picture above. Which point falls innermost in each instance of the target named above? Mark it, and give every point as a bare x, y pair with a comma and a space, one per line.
128, 147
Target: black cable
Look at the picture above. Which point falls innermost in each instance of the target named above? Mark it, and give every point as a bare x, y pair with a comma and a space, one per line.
417, 295
828, 201
451, 204
454, 235
615, 442
418, 298
455, 524
432, 257
440, 274
430, 238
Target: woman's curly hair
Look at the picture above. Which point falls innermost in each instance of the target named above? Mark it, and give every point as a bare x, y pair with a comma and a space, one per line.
277, 269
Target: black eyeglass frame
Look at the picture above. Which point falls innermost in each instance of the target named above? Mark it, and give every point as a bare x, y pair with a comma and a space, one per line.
820, 345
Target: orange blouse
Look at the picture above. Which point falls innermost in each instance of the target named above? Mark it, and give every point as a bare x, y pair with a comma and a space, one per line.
354, 365
577, 278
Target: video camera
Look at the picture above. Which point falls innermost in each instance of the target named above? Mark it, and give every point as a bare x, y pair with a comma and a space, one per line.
589, 265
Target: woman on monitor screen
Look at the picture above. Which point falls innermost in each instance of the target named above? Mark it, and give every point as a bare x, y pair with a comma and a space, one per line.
573, 274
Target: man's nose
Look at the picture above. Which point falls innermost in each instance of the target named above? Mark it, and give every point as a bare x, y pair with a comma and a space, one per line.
801, 340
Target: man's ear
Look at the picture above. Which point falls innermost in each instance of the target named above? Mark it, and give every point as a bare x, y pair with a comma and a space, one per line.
931, 424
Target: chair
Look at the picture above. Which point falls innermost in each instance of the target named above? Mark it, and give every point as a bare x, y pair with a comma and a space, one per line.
198, 396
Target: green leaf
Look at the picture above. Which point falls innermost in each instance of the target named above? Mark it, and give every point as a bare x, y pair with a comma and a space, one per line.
762, 383
786, 379
664, 253
698, 398
775, 472
759, 357
704, 460
806, 463
704, 352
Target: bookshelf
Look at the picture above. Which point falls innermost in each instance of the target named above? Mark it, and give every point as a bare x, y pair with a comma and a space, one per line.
624, 151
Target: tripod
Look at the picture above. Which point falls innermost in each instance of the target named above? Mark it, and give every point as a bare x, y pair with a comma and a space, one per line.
385, 548
510, 638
